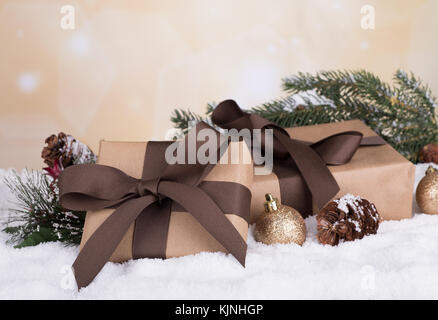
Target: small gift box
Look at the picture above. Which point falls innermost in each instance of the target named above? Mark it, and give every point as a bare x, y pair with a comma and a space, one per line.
313, 164
141, 206
375, 172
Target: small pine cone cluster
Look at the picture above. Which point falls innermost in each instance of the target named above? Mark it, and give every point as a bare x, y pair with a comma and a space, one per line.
347, 219
64, 150
58, 149
429, 153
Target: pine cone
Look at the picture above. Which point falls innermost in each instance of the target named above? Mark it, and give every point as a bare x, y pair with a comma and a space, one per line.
429, 153
58, 148
348, 218
64, 150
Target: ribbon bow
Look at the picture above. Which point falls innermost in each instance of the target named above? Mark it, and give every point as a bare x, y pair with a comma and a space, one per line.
148, 202
301, 166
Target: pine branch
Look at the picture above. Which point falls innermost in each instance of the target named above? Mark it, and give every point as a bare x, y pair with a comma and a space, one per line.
287, 113
185, 119
403, 113
415, 93
36, 215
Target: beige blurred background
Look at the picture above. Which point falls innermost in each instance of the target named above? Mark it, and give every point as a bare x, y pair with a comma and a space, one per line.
128, 64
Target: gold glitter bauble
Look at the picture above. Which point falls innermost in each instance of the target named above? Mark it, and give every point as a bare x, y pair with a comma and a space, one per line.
279, 224
427, 192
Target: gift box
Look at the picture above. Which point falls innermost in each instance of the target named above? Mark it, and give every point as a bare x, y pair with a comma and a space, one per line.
185, 235
377, 173
141, 206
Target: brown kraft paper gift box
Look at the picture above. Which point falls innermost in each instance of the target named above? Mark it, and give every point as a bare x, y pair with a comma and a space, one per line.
185, 236
377, 173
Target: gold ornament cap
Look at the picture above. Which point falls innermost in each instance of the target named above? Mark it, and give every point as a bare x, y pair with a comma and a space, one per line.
271, 204
431, 169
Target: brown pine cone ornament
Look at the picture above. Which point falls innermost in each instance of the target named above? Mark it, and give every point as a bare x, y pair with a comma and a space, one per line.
347, 219
56, 150
65, 150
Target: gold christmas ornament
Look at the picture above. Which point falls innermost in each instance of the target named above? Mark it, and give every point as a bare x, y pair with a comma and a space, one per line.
427, 192
279, 224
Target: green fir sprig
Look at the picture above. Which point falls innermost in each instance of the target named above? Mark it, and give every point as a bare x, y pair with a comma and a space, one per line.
36, 215
402, 113
184, 119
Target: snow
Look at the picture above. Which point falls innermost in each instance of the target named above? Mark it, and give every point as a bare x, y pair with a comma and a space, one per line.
81, 153
351, 200
399, 262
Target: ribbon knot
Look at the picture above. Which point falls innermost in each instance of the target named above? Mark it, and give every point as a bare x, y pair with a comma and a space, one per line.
145, 187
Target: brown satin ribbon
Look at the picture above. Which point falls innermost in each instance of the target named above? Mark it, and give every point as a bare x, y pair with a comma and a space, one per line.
148, 202
300, 166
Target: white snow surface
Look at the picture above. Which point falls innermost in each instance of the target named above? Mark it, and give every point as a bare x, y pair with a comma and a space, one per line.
399, 262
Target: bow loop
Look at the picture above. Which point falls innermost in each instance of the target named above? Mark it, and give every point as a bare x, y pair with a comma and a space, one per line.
227, 114
339, 148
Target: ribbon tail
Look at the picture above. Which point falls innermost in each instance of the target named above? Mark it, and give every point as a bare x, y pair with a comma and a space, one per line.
104, 241
151, 231
372, 141
291, 179
318, 178
208, 214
